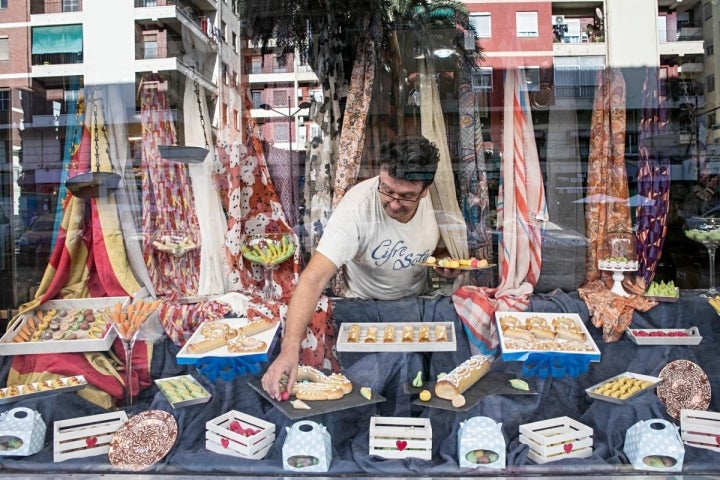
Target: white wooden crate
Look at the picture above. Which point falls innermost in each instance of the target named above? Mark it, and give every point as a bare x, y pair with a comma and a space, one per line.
220, 438
556, 438
701, 429
85, 436
401, 437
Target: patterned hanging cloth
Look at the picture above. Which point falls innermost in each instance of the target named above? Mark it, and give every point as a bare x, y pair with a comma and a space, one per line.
169, 211
522, 212
607, 181
653, 182
88, 259
474, 195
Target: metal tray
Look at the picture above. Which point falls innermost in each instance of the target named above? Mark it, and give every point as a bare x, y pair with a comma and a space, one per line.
654, 381
665, 299
204, 398
693, 336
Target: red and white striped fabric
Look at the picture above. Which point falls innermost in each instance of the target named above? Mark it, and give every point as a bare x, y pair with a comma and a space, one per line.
522, 212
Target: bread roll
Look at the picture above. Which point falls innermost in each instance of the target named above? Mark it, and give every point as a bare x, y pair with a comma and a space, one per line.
462, 377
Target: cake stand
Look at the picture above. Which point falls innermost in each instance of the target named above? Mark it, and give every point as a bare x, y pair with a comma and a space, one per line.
618, 269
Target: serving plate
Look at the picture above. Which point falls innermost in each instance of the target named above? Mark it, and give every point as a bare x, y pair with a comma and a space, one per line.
685, 386
649, 336
143, 440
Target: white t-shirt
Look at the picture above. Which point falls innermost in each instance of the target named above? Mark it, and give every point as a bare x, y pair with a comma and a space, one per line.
380, 255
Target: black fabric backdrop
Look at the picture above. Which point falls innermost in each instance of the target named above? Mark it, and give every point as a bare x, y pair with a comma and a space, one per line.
349, 429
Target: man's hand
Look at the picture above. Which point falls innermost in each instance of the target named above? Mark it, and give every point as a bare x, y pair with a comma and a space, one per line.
285, 365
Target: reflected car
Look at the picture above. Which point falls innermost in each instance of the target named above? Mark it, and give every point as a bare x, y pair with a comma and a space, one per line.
36, 239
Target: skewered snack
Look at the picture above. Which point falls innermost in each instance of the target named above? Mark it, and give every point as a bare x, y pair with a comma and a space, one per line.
389, 334
407, 333
353, 333
441, 333
371, 335
424, 333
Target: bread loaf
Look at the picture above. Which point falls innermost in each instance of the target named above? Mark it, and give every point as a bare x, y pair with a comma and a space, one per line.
462, 377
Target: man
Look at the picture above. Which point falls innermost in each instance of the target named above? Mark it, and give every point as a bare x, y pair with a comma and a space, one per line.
379, 232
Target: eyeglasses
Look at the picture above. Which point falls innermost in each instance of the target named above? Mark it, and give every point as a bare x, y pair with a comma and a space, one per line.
402, 200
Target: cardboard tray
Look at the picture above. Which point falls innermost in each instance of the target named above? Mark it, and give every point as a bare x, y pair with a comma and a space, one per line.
693, 336
8, 347
163, 383
398, 345
621, 401
268, 336
25, 393
522, 355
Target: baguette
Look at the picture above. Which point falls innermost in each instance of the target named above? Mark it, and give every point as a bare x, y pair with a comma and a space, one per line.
255, 327
204, 346
462, 377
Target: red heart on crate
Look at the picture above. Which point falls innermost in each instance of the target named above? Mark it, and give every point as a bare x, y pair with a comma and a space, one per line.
91, 441
401, 445
225, 442
717, 439
568, 447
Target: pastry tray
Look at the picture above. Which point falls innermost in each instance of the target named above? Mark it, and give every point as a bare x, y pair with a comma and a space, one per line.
522, 354
101, 343
693, 336
203, 395
463, 267
398, 345
268, 336
69, 384
493, 383
654, 381
318, 407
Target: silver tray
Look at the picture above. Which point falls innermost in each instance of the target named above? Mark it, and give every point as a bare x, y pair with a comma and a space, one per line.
654, 381
78, 382
204, 398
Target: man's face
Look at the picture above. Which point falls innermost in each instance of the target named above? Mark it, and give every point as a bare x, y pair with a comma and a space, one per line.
399, 198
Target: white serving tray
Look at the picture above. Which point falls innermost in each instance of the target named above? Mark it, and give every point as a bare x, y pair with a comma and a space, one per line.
184, 357
693, 336
654, 382
69, 384
509, 354
8, 347
398, 345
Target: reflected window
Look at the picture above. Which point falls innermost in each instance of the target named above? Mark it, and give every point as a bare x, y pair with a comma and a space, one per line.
482, 78
3, 3
576, 76
4, 48
150, 46
526, 24
481, 24
57, 44
71, 5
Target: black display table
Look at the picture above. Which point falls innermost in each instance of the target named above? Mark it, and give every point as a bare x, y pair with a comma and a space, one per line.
349, 428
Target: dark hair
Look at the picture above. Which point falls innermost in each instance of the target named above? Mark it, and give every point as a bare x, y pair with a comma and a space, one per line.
413, 158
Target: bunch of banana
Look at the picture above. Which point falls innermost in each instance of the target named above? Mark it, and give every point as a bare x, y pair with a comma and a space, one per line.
715, 303
269, 251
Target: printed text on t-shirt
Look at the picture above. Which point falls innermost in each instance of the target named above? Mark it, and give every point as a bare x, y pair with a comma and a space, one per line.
398, 254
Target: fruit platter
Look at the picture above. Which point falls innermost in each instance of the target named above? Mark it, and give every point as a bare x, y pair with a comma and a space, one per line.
664, 336
663, 291
458, 263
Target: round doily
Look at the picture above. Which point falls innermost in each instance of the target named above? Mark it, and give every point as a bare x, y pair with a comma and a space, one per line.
143, 440
684, 385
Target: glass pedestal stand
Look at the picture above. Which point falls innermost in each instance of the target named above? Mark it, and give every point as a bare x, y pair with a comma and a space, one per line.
128, 345
705, 230
269, 287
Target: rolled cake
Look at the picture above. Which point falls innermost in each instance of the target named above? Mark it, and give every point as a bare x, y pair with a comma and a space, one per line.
462, 377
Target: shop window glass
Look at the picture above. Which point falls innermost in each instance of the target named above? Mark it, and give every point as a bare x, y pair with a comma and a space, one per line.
481, 24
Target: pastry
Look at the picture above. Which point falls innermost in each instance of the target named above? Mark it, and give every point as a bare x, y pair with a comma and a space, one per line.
424, 333
389, 334
570, 334
316, 391
519, 333
462, 377
241, 344
256, 326
311, 374
371, 335
353, 333
510, 322
217, 329
441, 333
204, 346
407, 333
543, 333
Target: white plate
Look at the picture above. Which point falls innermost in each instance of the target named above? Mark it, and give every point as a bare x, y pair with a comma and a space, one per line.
397, 345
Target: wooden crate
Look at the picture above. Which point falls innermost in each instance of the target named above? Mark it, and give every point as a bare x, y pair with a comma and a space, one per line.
701, 429
401, 437
85, 436
220, 437
556, 439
